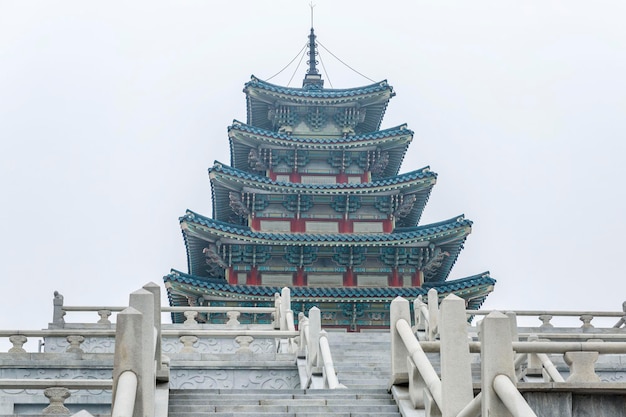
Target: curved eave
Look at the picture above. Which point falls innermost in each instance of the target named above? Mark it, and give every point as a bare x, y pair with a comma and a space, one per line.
244, 137
262, 96
225, 179
474, 289
200, 231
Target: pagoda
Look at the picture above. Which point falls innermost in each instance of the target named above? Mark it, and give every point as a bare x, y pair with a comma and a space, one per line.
313, 200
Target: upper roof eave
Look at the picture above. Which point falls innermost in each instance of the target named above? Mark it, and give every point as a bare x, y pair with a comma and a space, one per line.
259, 87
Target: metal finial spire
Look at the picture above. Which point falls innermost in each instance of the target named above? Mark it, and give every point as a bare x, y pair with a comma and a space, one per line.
313, 79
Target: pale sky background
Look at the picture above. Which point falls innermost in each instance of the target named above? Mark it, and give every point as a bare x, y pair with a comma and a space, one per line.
111, 113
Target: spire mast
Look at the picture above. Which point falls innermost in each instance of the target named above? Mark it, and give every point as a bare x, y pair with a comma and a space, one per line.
313, 79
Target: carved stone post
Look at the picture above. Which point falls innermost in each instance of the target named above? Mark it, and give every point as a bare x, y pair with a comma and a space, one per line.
456, 371
143, 301
545, 321
433, 314
187, 342
58, 313
104, 316
190, 318
155, 290
18, 341
586, 319
233, 317
244, 344
398, 310
57, 397
285, 305
496, 359
74, 343
582, 366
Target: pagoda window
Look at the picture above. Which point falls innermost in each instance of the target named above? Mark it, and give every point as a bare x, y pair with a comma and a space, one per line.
325, 280
407, 281
277, 280
372, 280
282, 177
354, 179
321, 227
275, 226
368, 227
242, 278
318, 179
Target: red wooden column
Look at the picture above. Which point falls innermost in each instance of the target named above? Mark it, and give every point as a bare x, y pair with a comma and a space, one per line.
232, 275
253, 276
395, 280
300, 280
348, 278
417, 279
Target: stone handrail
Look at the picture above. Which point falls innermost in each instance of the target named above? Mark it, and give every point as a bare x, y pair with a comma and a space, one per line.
126, 395
511, 397
318, 370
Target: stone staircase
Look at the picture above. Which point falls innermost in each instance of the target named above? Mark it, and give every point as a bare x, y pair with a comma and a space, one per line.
282, 403
362, 362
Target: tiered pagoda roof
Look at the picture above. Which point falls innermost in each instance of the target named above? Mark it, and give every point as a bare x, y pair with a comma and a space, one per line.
244, 137
264, 98
313, 200
225, 180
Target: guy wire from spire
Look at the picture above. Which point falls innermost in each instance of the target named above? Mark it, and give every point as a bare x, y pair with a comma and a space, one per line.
325, 71
298, 66
290, 62
326, 49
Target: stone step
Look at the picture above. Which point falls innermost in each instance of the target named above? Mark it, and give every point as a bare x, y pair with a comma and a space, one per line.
291, 408
288, 414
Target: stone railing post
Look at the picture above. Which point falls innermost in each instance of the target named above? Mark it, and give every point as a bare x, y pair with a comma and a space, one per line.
129, 349
315, 327
143, 301
456, 372
187, 342
57, 397
399, 310
58, 313
233, 318
18, 342
586, 319
418, 318
190, 317
276, 314
285, 305
582, 366
496, 359
433, 314
74, 341
545, 321
155, 290
104, 316
303, 328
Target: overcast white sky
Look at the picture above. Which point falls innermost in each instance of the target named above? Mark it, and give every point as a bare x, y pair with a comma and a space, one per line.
111, 113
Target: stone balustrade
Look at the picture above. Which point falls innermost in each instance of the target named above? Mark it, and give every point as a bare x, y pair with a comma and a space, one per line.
510, 361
